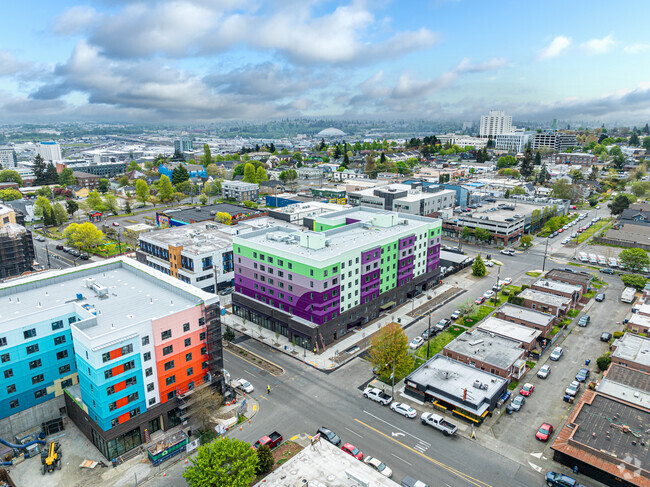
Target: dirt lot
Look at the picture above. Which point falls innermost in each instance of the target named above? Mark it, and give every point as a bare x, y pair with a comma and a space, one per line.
281, 454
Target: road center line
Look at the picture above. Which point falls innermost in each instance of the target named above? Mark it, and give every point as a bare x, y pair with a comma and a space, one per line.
354, 433
400, 458
398, 429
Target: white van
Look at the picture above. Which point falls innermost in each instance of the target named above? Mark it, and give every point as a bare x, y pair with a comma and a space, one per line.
593, 259
582, 257
602, 260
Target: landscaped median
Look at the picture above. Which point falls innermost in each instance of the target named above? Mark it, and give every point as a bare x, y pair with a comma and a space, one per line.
584, 236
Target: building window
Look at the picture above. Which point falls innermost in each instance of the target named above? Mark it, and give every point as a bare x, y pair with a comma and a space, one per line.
188, 357
152, 401
57, 325
145, 340
202, 336
4, 357
66, 383
72, 319
170, 380
188, 342
13, 404
59, 340
29, 333
190, 371
3, 341
171, 395
186, 327
148, 372
168, 350
166, 334
40, 393
62, 354
35, 364
64, 369
9, 373
146, 356
127, 349
11, 388
201, 321
32, 349
169, 365
38, 378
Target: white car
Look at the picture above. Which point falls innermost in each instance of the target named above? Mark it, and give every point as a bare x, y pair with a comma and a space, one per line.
377, 395
489, 263
379, 466
556, 353
566, 241
404, 409
416, 343
488, 294
573, 388
244, 385
507, 281
508, 252
543, 372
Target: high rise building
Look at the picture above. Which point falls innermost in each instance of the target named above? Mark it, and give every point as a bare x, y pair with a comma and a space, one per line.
8, 159
49, 151
495, 123
183, 144
315, 286
16, 244
118, 344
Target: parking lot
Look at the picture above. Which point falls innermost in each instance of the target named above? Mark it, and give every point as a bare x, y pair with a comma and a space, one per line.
546, 402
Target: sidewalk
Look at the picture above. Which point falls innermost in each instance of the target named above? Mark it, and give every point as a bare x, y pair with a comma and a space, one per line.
344, 349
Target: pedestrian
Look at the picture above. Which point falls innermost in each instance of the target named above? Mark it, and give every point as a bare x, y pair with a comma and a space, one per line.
268, 389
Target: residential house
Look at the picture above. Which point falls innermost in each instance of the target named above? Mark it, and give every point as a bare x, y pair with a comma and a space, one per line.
527, 337
530, 318
548, 303
576, 278
572, 291
632, 351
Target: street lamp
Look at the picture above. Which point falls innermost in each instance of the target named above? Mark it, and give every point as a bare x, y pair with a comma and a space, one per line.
428, 335
545, 249
496, 293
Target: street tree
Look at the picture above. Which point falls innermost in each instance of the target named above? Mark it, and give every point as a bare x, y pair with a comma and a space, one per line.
226, 462
203, 199
10, 176
636, 281
265, 459
483, 235
207, 402
250, 176
142, 191
634, 259
10, 194
60, 215
389, 350
84, 235
94, 201
261, 175
620, 203
478, 267
71, 206
127, 207
110, 204
165, 189
180, 174
42, 207
467, 233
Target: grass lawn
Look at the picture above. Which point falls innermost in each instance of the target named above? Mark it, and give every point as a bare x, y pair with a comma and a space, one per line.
573, 313
481, 313
592, 229
513, 385
589, 294
554, 331
110, 249
566, 322
533, 274
530, 364
439, 341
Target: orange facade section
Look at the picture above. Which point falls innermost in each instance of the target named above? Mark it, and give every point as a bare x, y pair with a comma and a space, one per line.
116, 353
180, 370
117, 370
121, 402
120, 386
174, 259
123, 418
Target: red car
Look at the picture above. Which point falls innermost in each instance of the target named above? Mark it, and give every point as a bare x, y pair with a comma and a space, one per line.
527, 390
352, 450
480, 300
544, 432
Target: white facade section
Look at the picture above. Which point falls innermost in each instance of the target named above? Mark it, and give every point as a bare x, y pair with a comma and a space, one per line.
495, 123
49, 151
350, 275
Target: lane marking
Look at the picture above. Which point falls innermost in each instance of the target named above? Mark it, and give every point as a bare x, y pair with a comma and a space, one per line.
353, 432
536, 467
462, 475
400, 458
399, 429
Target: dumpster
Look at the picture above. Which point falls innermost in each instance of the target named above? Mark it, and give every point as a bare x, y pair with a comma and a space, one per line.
168, 447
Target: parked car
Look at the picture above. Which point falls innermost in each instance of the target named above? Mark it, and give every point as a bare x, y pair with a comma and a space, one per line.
573, 388
556, 353
426, 334
600, 297
507, 281
59, 247
544, 371
479, 300
83, 256
350, 449
411, 482
517, 403
379, 466
584, 320
272, 440
329, 435
416, 343
456, 314
508, 252
377, 395
244, 385
404, 409
40, 238
115, 224
566, 241
488, 294
489, 263
582, 375
544, 432
554, 479
605, 336
527, 389
226, 292
607, 271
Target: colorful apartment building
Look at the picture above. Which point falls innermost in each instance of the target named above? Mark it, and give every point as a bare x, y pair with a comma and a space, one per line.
316, 286
119, 344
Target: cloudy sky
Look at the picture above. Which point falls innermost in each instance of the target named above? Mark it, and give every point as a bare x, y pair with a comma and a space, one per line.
205, 60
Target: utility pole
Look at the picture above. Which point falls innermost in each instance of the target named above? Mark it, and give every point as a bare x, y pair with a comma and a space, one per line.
496, 293
429, 335
47, 252
545, 249
392, 392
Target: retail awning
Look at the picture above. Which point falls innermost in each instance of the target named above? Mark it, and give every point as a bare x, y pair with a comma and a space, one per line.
388, 305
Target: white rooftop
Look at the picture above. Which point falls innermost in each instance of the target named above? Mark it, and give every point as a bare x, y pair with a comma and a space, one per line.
490, 348
633, 348
324, 465
317, 206
558, 286
510, 330
546, 298
526, 314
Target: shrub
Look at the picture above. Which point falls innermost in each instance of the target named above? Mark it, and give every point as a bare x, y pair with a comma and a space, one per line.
505, 292
618, 334
524, 287
264, 459
603, 362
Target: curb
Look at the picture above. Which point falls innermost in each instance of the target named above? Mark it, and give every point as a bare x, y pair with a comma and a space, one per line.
258, 357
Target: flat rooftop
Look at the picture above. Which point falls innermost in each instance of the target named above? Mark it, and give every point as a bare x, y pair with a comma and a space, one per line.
526, 314
317, 206
627, 384
386, 188
558, 286
208, 212
451, 378
134, 293
498, 215
542, 297
510, 330
573, 276
487, 347
324, 465
632, 347
197, 238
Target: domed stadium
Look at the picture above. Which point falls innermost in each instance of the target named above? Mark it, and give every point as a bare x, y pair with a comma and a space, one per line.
331, 132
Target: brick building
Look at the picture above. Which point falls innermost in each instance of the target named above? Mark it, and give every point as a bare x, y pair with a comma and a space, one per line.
527, 317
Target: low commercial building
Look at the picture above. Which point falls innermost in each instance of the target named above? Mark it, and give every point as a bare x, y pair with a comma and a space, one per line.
404, 198
86, 180
493, 353
240, 191
538, 320
107, 169
194, 170
528, 338
304, 213
194, 214
462, 390
632, 351
574, 158
606, 434
576, 278
337, 194
571, 291
506, 226
557, 141
548, 303
16, 245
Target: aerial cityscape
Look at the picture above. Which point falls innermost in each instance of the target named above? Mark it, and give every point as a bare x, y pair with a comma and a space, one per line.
324, 243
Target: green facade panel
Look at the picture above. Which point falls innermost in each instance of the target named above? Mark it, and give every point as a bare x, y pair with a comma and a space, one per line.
388, 267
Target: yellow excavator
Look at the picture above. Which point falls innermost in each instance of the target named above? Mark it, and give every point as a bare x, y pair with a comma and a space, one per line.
51, 457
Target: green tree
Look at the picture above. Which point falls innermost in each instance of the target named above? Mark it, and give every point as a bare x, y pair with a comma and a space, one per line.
636, 281
478, 267
634, 259
51, 176
127, 207
506, 161
8, 175
10, 194
593, 201
467, 233
60, 215
71, 206
639, 188
42, 207
134, 166
226, 462
620, 203
124, 181
103, 185
206, 159
296, 156
39, 168
94, 201
517, 190
261, 175
506, 195
203, 199
250, 175
66, 177
526, 240
634, 139
212, 169
84, 235
229, 334
538, 158
180, 174
603, 362
389, 350
619, 161
543, 175
527, 164
142, 191
165, 189
223, 217
265, 459
562, 190
646, 143
483, 235
110, 204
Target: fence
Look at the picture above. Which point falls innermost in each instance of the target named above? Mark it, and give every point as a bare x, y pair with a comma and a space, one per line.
621, 243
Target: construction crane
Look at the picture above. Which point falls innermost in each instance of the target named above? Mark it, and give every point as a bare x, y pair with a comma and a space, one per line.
51, 458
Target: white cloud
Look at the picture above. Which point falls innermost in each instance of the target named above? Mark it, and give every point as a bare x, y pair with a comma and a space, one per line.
558, 45
75, 20
636, 48
598, 46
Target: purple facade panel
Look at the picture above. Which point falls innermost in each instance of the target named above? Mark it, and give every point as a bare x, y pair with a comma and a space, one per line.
370, 255
370, 287
349, 221
406, 242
